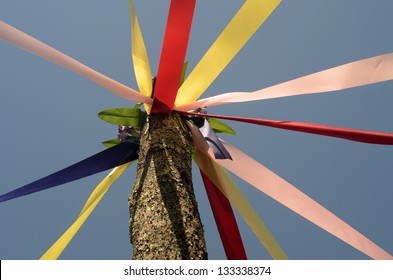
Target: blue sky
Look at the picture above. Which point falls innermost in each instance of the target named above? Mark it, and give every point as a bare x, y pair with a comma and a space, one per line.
49, 120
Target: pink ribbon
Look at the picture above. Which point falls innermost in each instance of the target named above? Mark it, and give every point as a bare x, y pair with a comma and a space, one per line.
362, 72
22, 40
277, 188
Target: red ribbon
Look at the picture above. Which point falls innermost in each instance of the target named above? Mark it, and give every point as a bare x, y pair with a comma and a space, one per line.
364, 136
172, 56
225, 220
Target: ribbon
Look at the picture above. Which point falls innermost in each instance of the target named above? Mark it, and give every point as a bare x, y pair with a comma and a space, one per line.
364, 136
172, 56
211, 137
359, 73
226, 185
140, 59
109, 158
277, 188
22, 40
285, 193
244, 24
225, 221
58, 247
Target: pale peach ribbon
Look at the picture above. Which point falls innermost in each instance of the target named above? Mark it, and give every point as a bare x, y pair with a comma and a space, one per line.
274, 186
16, 37
362, 72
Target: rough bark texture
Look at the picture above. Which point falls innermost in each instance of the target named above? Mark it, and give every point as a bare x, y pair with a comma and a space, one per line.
164, 217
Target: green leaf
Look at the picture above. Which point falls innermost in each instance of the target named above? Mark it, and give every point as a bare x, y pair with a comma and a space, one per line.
111, 142
122, 116
137, 105
183, 73
220, 127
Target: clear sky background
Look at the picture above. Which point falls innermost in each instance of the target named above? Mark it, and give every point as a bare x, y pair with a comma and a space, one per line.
48, 120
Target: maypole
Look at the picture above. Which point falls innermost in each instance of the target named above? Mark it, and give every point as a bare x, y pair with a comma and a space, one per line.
164, 217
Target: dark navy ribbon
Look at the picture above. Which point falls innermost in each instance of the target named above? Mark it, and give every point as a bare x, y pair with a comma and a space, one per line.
122, 153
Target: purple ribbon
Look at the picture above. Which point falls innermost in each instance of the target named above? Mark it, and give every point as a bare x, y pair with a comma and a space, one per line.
220, 152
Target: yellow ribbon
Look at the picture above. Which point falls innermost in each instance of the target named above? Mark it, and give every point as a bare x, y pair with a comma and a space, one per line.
243, 25
58, 247
139, 57
227, 186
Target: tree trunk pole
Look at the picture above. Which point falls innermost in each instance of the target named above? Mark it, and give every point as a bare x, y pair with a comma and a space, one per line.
164, 218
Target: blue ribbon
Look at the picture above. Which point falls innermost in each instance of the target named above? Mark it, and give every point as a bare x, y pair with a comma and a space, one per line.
220, 152
122, 153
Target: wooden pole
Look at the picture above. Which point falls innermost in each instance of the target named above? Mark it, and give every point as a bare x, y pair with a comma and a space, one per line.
164, 218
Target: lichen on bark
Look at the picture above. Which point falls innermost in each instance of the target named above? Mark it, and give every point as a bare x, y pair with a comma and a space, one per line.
164, 217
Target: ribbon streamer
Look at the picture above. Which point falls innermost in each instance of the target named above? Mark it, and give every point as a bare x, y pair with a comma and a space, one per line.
225, 221
358, 73
226, 185
22, 40
277, 188
109, 158
58, 247
364, 136
211, 137
285, 193
244, 24
172, 56
140, 58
